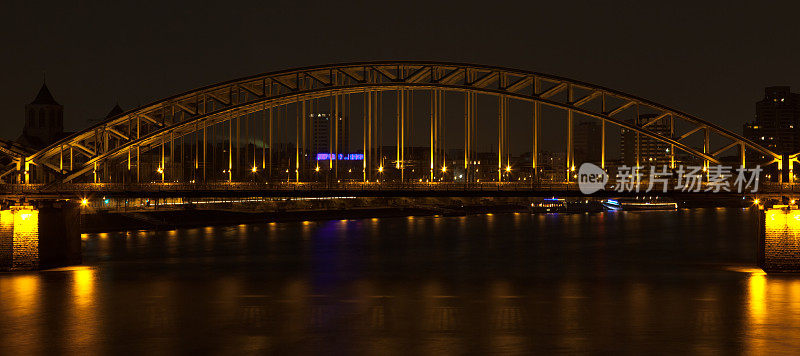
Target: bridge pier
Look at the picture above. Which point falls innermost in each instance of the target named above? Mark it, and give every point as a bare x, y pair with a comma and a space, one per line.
42, 236
779, 238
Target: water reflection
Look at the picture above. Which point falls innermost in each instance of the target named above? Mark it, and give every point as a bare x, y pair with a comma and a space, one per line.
510, 283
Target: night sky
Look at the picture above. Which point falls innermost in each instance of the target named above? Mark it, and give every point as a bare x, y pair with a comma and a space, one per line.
710, 59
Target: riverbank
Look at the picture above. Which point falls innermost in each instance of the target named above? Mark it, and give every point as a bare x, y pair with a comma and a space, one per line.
185, 218
172, 217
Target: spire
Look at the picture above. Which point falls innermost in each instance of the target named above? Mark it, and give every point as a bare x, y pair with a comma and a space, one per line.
44, 97
116, 110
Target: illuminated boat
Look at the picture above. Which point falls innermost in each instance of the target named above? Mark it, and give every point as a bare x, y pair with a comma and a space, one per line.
549, 205
613, 204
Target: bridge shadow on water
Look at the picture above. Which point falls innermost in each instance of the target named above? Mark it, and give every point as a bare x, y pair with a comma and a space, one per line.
668, 282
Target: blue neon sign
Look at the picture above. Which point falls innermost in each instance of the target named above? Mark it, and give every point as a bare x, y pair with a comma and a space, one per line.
340, 157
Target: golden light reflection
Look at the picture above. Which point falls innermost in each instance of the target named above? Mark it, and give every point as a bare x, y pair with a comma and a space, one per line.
306, 230
21, 301
83, 285
756, 297
25, 293
757, 312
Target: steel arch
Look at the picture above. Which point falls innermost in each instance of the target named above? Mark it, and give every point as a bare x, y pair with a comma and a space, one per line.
184, 113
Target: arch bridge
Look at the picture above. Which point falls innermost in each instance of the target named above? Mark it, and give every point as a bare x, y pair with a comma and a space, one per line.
270, 128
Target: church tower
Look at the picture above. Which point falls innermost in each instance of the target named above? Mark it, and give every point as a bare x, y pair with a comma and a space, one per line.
44, 120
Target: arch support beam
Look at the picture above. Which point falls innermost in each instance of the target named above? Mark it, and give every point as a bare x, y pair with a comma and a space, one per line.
225, 101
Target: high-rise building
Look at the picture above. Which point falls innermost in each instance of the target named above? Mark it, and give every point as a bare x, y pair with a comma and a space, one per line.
44, 121
323, 141
586, 142
644, 150
777, 121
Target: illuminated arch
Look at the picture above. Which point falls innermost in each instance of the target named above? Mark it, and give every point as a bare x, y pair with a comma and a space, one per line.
185, 113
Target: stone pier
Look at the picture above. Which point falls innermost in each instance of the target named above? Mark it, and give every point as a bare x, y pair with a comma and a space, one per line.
779, 239
38, 236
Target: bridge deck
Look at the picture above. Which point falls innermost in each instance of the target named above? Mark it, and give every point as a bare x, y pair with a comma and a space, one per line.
359, 189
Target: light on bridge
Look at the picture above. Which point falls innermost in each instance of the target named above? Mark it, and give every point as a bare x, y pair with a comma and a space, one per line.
160, 170
84, 202
444, 169
254, 169
316, 169
380, 169
508, 168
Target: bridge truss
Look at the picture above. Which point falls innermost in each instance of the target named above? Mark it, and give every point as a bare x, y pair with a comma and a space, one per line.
196, 137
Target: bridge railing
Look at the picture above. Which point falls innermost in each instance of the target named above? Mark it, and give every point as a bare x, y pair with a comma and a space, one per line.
343, 187
281, 186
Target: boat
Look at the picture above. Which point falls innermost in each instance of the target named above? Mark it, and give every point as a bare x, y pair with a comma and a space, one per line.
549, 205
556, 205
613, 204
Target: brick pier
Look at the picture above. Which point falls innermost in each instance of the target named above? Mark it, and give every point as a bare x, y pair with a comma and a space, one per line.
42, 236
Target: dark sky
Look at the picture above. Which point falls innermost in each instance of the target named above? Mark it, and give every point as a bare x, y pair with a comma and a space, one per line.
710, 59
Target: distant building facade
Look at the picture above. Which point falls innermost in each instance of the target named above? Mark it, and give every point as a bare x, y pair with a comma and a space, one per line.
44, 121
323, 140
777, 122
587, 142
643, 150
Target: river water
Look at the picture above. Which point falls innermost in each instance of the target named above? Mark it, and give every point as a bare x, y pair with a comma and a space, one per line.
669, 282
